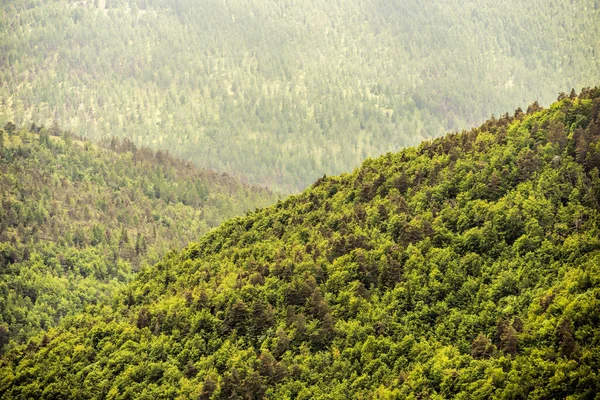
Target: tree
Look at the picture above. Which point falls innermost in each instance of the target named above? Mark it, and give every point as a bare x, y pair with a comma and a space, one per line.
509, 342
565, 337
97, 235
573, 94
236, 317
482, 347
557, 133
4, 336
494, 185
261, 318
79, 238
10, 128
123, 237
527, 162
518, 324
144, 318
140, 244
501, 327
282, 342
209, 386
533, 108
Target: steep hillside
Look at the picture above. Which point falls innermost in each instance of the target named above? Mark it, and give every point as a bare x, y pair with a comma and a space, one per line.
76, 220
468, 267
284, 92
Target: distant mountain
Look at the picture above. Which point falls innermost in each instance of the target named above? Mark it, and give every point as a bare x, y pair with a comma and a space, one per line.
282, 92
468, 267
77, 219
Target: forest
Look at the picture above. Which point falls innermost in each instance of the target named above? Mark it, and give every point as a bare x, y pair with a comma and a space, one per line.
280, 93
466, 267
78, 220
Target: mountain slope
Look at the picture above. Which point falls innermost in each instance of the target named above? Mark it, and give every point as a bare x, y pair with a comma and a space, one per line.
465, 268
285, 92
77, 219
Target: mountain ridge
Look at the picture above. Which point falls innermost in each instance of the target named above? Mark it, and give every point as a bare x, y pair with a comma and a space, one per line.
464, 268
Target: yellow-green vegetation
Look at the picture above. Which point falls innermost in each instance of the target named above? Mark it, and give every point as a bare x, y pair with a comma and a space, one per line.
77, 220
467, 267
282, 92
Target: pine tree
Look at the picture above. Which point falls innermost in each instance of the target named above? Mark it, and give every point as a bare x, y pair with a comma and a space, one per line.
509, 342
482, 347
565, 337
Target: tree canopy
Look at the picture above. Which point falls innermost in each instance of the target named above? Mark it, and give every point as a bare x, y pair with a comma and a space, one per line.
280, 93
77, 220
466, 267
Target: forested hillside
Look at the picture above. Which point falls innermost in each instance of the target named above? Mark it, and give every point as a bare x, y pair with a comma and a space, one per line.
281, 92
468, 267
77, 220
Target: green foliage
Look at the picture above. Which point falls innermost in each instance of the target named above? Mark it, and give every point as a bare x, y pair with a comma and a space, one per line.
77, 220
465, 268
283, 92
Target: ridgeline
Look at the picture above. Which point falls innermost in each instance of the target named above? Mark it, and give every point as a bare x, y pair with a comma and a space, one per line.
466, 267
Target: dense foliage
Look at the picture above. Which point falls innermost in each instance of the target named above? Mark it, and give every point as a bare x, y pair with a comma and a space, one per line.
284, 91
76, 220
468, 267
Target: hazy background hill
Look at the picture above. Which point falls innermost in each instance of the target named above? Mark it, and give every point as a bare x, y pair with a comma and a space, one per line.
283, 92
